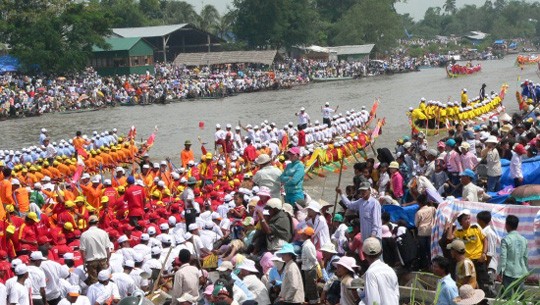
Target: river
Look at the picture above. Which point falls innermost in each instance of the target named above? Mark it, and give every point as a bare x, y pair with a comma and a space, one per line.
180, 121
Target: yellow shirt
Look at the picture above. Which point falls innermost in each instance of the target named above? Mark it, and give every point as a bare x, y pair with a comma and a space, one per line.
464, 97
474, 241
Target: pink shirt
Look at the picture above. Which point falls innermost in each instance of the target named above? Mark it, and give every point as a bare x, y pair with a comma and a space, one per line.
397, 185
453, 162
468, 161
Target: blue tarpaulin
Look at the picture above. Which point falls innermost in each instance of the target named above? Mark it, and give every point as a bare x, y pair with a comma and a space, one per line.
405, 213
530, 168
8, 63
513, 45
499, 41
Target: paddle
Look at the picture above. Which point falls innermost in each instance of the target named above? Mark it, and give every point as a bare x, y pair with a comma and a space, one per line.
338, 184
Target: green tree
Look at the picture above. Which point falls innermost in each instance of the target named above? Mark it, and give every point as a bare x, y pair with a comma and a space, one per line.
450, 6
151, 8
209, 19
55, 35
174, 12
124, 13
277, 23
370, 21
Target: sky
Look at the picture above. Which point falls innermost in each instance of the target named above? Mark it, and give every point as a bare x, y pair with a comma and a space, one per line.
416, 8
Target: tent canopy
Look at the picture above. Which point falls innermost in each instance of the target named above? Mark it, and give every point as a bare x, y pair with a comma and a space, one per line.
218, 58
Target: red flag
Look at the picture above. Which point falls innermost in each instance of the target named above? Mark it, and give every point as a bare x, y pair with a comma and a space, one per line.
374, 108
132, 133
151, 138
79, 170
81, 152
203, 149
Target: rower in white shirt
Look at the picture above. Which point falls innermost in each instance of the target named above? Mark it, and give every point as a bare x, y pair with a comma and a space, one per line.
126, 284
104, 291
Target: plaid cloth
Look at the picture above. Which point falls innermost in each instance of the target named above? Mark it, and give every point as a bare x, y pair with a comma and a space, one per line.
529, 224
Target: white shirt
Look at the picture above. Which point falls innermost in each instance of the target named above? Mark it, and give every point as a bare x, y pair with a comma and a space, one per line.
128, 254
303, 118
494, 242
94, 243
3, 294
143, 250
100, 293
151, 264
81, 300
198, 245
136, 276
19, 294
515, 166
309, 255
37, 280
381, 285
322, 233
257, 288
52, 271
125, 283
327, 112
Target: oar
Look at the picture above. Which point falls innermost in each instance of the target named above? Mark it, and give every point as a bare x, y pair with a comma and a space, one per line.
161, 271
338, 184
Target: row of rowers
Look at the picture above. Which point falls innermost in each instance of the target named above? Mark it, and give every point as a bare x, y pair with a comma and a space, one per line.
161, 185
62, 167
306, 131
453, 110
64, 222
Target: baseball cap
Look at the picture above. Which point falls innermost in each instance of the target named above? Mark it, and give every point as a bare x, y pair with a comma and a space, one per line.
307, 231
37, 256
104, 275
93, 219
457, 245
21, 269
226, 265
372, 246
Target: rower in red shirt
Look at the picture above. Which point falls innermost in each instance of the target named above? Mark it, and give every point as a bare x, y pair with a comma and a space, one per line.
250, 152
28, 233
68, 215
136, 200
106, 214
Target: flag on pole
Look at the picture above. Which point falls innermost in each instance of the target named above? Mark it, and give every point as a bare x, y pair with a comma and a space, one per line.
81, 152
79, 170
374, 108
151, 138
132, 133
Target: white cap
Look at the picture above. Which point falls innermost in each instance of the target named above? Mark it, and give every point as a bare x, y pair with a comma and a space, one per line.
193, 226
95, 179
119, 169
16, 262
146, 166
145, 236
107, 182
163, 163
302, 109
37, 256
43, 130
122, 239
104, 275
129, 263
161, 183
229, 126
68, 255
15, 181
172, 220
84, 176
151, 231
218, 126
21, 269
46, 179
164, 226
156, 250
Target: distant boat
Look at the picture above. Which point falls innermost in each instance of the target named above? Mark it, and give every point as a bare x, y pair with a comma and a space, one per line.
80, 110
456, 70
330, 79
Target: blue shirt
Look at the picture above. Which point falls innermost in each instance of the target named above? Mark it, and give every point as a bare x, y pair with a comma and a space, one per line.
448, 291
274, 276
293, 177
370, 215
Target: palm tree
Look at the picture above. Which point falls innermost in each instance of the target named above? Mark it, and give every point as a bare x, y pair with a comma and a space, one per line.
450, 6
209, 19
226, 22
179, 12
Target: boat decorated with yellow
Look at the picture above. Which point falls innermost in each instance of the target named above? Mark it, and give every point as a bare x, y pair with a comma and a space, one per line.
433, 117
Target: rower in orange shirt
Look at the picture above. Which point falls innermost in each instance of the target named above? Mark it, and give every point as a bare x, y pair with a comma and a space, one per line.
21, 197
120, 179
64, 170
6, 192
187, 154
45, 170
79, 142
93, 192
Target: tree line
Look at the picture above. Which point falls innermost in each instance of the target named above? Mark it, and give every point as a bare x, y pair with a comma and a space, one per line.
58, 35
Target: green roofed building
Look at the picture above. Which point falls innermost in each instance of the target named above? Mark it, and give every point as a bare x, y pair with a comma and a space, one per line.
125, 56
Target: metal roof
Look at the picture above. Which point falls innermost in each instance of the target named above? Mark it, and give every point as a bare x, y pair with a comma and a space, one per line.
352, 49
149, 31
118, 44
217, 58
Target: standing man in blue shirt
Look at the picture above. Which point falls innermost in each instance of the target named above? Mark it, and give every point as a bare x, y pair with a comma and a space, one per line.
369, 210
447, 289
513, 262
